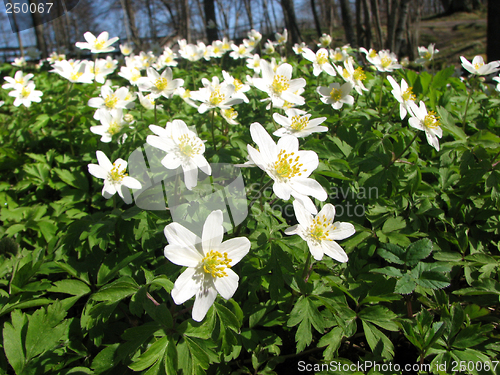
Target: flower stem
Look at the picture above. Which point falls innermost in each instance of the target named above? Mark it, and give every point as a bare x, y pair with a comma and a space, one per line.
259, 194
402, 152
213, 130
466, 108
156, 122
381, 91
307, 268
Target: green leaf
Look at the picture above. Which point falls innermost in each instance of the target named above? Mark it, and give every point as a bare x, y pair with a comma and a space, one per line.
393, 224
405, 285
154, 354
116, 291
305, 313
13, 340
378, 342
70, 286
417, 251
379, 315
105, 359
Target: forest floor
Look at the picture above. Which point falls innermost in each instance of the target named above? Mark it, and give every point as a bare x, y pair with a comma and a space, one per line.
460, 34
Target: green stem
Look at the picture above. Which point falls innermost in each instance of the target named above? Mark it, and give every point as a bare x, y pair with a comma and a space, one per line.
156, 122
213, 130
381, 91
402, 152
70, 87
307, 268
260, 193
466, 108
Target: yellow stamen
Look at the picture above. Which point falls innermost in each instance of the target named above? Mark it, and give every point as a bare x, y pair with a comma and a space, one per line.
322, 58
385, 62
189, 146
299, 122
216, 97
114, 128
161, 83
359, 74
216, 263
320, 229
237, 85
408, 94
115, 175
431, 121
336, 94
287, 166
280, 84
111, 101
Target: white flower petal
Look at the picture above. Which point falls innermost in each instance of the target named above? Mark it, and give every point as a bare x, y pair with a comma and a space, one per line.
185, 286
204, 299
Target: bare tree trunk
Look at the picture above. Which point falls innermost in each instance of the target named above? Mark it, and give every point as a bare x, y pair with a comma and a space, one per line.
316, 19
37, 22
267, 18
368, 23
290, 20
345, 7
130, 12
493, 31
378, 26
210, 20
186, 20
16, 29
152, 27
403, 15
392, 13
359, 24
248, 8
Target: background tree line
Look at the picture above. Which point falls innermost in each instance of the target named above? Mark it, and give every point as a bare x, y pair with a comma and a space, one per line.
378, 24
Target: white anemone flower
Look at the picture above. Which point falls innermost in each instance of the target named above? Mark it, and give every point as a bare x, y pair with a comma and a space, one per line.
130, 73
426, 121
498, 85
185, 94
426, 54
148, 101
20, 80
320, 61
279, 85
320, 231
403, 94
75, 72
25, 95
336, 95
339, 55
97, 45
114, 176
126, 49
254, 63
299, 48
110, 99
167, 58
298, 123
355, 76
371, 55
229, 115
281, 38
112, 122
240, 52
184, 149
208, 261
255, 35
215, 95
324, 41
478, 66
100, 70
386, 61
287, 166
240, 88
160, 85
269, 47
20, 62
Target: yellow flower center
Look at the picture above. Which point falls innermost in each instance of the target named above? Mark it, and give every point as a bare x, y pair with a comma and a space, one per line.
230, 113
109, 65
322, 58
431, 121
237, 85
242, 50
345, 73
161, 83
287, 105
189, 146
115, 175
21, 81
216, 49
216, 97
478, 65
359, 74
385, 62
25, 92
338, 56
151, 99
299, 122
75, 76
408, 94
336, 94
216, 263
280, 84
428, 55
372, 53
111, 101
286, 166
114, 128
319, 230
99, 44
187, 94
136, 74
